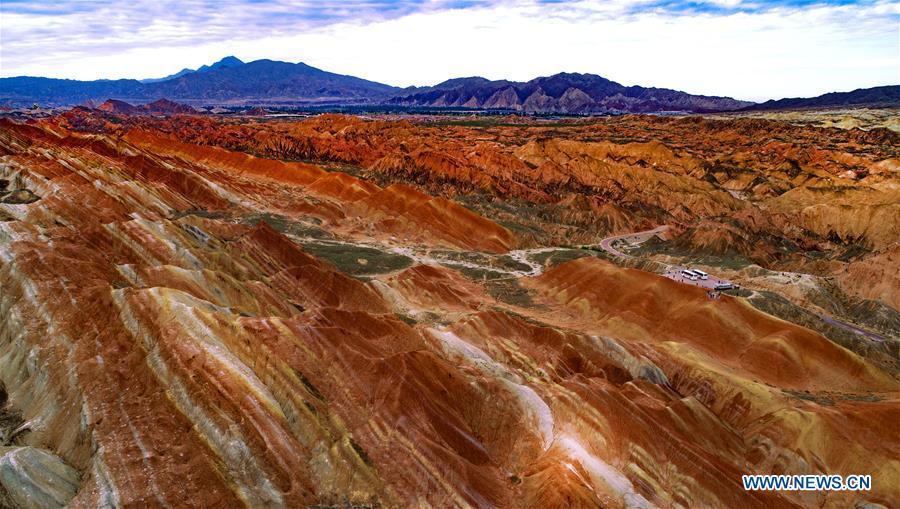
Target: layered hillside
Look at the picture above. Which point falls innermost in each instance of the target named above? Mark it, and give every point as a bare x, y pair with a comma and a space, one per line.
740, 192
749, 176
187, 324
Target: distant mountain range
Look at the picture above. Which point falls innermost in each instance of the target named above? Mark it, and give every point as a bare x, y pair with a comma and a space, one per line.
231, 81
876, 96
562, 93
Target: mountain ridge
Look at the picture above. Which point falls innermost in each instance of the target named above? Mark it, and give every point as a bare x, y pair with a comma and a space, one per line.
264, 82
260, 81
885, 95
229, 61
562, 93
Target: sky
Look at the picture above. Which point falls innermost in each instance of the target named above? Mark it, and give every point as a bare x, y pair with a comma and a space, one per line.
747, 49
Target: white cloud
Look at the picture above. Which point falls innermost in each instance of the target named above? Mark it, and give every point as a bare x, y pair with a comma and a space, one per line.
754, 55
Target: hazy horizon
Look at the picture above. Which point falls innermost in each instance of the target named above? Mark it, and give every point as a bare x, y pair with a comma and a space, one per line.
746, 50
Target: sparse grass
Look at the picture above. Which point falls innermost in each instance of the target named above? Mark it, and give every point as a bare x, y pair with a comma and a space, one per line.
309, 386
350, 169
829, 399
208, 214
554, 258
509, 263
360, 452
476, 274
408, 320
306, 228
510, 292
724, 261
489, 121
808, 396
358, 260
883, 355
501, 262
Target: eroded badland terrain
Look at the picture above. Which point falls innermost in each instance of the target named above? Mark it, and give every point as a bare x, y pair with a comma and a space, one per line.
422, 312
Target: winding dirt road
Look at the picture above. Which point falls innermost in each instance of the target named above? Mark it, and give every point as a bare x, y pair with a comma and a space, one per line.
632, 238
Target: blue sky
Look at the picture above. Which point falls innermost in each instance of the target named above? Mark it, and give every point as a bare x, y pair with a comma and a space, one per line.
750, 49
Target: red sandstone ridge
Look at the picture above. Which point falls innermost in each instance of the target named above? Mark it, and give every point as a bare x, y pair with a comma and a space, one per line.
782, 196
395, 210
158, 107
186, 324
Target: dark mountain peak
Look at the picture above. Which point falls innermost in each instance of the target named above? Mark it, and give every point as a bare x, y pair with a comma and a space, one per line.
463, 82
229, 61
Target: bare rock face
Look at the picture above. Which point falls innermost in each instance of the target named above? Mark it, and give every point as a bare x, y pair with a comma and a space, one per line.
31, 477
184, 324
506, 98
540, 101
574, 100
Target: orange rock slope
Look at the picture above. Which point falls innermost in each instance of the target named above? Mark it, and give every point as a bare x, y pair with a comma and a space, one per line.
162, 346
784, 196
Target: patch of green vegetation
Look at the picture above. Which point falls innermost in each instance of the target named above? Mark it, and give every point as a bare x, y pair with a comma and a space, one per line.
876, 315
871, 314
488, 120
309, 386
350, 169
738, 292
519, 228
208, 214
476, 274
828, 399
489, 261
509, 263
554, 258
808, 396
19, 196
360, 452
462, 256
884, 354
308, 227
358, 260
526, 319
408, 320
510, 292
10, 421
654, 246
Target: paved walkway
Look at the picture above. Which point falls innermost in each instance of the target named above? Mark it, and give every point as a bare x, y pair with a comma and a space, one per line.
674, 273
